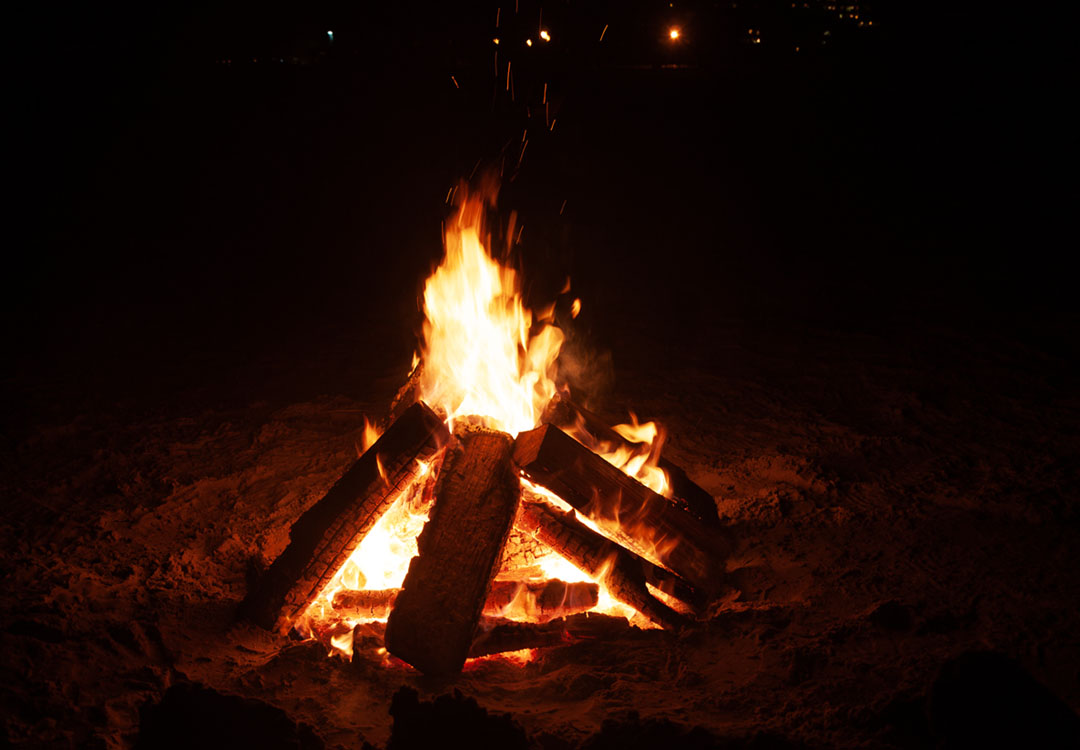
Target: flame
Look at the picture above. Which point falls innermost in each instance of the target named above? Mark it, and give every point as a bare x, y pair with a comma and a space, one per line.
481, 355
484, 355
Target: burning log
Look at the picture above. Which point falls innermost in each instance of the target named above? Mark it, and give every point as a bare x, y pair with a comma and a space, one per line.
551, 458
434, 617
498, 636
521, 554
364, 604
542, 599
622, 571
322, 538
564, 414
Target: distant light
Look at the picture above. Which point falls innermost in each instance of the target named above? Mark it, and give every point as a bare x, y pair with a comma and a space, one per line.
674, 33
545, 36
528, 42
331, 35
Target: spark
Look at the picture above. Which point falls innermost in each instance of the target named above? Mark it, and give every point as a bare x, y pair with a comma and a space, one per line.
520, 230
674, 33
553, 123
545, 94
562, 207
528, 42
455, 82
508, 63
545, 35
602, 33
496, 41
497, 12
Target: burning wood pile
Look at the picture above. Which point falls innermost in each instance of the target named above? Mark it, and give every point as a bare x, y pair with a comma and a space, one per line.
493, 514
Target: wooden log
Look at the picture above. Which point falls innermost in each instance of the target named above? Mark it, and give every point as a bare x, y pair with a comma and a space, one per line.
434, 617
544, 600
687, 494
619, 503
408, 394
322, 538
620, 570
522, 552
365, 603
496, 635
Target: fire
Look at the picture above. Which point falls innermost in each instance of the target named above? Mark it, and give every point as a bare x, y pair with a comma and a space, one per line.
483, 355
480, 354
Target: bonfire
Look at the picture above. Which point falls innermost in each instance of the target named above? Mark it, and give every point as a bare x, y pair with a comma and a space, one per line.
493, 514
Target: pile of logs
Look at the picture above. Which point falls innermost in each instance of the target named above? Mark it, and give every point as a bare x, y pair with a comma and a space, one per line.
491, 520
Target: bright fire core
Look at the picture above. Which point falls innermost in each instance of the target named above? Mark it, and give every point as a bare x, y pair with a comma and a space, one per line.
483, 355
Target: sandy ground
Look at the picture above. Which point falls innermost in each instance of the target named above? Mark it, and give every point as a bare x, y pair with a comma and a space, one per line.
896, 498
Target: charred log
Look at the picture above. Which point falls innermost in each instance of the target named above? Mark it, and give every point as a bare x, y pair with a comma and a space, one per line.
544, 600
432, 622
499, 636
322, 538
496, 635
364, 604
622, 571
564, 414
551, 458
521, 554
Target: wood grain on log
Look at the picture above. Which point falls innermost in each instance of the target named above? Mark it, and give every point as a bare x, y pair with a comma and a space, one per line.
322, 538
432, 622
544, 600
620, 570
365, 603
604, 494
565, 414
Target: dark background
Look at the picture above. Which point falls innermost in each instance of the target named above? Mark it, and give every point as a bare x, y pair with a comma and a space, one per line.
219, 182
833, 259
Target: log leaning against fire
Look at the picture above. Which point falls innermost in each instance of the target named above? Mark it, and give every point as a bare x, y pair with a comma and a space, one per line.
621, 570
564, 414
552, 459
322, 538
433, 619
545, 600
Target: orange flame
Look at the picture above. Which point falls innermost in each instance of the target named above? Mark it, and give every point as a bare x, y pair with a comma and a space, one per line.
481, 356
484, 355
